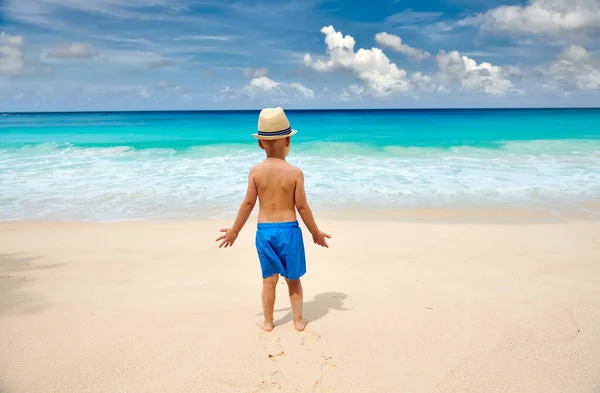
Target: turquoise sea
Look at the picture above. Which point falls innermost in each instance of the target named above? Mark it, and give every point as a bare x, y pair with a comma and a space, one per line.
162, 165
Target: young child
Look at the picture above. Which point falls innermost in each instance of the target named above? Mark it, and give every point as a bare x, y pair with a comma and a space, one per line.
279, 187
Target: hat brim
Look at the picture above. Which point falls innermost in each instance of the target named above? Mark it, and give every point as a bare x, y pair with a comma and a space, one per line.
270, 138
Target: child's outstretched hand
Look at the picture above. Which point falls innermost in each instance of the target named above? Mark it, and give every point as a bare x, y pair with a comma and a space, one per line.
228, 238
319, 239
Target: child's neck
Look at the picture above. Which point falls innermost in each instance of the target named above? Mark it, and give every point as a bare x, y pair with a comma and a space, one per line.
276, 155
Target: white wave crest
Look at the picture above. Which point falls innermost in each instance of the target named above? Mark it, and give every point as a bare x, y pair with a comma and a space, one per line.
65, 182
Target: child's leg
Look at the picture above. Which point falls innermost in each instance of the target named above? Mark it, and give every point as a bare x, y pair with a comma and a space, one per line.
296, 298
268, 301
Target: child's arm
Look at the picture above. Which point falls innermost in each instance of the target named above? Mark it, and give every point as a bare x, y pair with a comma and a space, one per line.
306, 212
245, 210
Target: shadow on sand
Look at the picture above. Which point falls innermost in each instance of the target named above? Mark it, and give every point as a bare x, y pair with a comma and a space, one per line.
315, 309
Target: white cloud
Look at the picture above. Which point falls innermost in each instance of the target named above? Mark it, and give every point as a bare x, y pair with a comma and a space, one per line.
11, 60
303, 90
124, 40
226, 93
512, 70
554, 17
262, 84
74, 50
443, 89
574, 53
11, 54
41, 12
142, 92
381, 77
255, 72
266, 87
410, 17
575, 69
204, 38
471, 76
394, 42
11, 40
352, 92
423, 83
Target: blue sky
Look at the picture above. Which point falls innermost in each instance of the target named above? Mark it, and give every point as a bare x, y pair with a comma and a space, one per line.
185, 54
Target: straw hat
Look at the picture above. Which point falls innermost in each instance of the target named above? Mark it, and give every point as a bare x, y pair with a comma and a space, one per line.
273, 124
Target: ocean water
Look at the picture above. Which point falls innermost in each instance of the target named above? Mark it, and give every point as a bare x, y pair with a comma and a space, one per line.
165, 165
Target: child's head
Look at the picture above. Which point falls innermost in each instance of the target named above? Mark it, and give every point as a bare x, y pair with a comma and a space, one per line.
276, 147
274, 132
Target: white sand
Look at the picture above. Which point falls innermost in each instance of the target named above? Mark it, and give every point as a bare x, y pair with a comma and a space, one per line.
394, 307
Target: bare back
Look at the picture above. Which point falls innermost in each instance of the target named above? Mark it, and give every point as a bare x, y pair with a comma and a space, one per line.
275, 182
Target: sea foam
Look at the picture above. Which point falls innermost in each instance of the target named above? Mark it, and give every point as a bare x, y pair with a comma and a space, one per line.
62, 181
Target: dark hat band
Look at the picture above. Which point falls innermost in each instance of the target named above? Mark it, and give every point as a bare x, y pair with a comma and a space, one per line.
276, 133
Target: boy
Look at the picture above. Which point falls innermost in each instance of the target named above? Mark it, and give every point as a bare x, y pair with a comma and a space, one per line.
279, 187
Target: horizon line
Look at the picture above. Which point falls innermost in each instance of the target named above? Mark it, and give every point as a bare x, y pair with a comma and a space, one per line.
291, 110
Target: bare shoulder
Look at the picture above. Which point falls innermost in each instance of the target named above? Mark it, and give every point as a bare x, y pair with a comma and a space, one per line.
256, 169
297, 172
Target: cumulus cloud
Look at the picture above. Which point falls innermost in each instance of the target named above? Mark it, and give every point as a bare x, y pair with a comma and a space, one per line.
395, 43
574, 69
554, 17
11, 54
255, 72
74, 50
351, 93
303, 90
471, 76
267, 87
381, 77
423, 83
574, 53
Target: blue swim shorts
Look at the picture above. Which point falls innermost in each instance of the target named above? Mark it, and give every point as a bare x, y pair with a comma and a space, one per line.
281, 249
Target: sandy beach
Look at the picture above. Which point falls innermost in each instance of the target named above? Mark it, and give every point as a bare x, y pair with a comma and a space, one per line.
393, 307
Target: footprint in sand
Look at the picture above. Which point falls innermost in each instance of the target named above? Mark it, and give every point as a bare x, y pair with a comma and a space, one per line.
271, 349
271, 373
271, 346
324, 384
310, 340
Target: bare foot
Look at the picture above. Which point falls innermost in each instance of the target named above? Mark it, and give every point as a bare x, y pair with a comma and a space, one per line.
266, 326
301, 325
